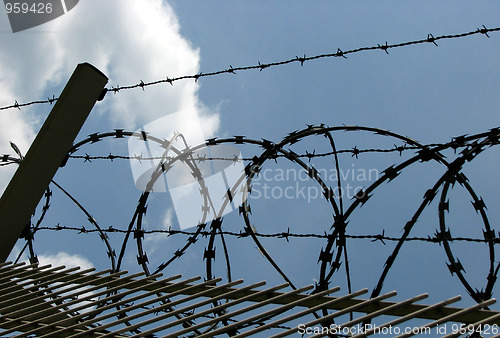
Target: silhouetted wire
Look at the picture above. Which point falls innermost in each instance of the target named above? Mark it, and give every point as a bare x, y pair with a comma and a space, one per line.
471, 145
332, 255
284, 235
261, 66
354, 151
335, 251
425, 153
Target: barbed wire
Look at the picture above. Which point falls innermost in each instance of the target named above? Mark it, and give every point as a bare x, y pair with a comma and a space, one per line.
333, 254
261, 66
455, 143
437, 238
354, 152
465, 148
18, 106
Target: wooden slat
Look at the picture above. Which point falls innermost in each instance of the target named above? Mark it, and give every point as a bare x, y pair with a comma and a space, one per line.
132, 300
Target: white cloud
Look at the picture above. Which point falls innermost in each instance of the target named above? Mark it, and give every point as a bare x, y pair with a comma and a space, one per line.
128, 40
168, 219
16, 128
157, 242
66, 259
69, 260
58, 259
15, 125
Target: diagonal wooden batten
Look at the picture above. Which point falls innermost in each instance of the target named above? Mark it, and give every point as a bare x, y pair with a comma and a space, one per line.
130, 300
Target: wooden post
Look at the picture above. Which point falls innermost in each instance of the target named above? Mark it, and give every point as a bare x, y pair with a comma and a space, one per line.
47, 152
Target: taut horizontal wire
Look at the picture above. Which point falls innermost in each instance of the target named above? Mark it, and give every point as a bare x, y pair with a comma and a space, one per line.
261, 66
354, 151
285, 235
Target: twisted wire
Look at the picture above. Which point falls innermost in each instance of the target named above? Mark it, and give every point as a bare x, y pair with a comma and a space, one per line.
355, 152
333, 254
436, 238
272, 151
261, 66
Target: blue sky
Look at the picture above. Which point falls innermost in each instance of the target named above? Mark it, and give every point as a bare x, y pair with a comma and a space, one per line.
427, 93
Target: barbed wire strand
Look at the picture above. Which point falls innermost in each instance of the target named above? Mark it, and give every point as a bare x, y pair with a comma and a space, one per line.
330, 257
354, 151
261, 66
437, 238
